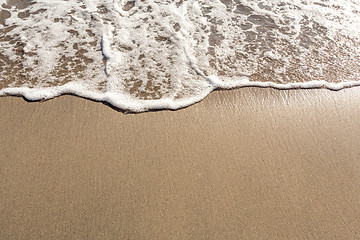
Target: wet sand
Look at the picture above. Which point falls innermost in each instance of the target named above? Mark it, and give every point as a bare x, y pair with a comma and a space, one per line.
243, 164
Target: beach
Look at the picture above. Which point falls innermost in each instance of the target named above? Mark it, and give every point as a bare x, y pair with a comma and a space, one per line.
249, 163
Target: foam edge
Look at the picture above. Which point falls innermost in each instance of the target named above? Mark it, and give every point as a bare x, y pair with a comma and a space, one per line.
130, 104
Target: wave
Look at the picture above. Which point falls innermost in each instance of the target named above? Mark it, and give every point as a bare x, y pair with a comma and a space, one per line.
157, 54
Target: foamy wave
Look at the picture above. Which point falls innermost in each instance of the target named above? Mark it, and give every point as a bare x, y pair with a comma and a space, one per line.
158, 54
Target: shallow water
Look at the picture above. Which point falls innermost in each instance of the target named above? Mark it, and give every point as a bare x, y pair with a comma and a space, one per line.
153, 54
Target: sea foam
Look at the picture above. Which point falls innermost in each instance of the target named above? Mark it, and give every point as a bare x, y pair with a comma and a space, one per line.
168, 54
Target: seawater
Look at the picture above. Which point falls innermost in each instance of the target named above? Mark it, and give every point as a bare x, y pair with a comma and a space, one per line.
167, 54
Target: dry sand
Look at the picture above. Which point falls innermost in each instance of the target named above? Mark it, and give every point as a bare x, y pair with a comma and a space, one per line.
242, 164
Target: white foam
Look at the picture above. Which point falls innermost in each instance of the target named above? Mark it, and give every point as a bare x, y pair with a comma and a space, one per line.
151, 54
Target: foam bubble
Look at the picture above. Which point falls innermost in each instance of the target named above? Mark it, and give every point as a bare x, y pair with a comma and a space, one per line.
152, 54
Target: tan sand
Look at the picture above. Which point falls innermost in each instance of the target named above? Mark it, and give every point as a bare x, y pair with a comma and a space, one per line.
243, 164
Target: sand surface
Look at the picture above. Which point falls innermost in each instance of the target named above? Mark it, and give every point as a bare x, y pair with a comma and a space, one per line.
243, 164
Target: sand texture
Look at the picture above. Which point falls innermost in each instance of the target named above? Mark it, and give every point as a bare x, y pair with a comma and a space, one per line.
244, 164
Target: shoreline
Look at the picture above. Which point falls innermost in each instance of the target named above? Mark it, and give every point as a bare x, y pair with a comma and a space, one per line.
129, 104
